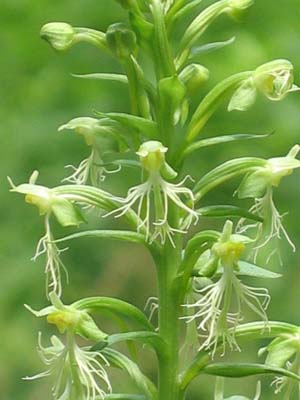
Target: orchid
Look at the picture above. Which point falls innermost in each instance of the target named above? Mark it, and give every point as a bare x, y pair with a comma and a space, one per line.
260, 185
67, 214
220, 305
152, 158
75, 370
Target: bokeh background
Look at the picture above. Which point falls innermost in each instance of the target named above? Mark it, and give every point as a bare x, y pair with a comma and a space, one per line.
38, 94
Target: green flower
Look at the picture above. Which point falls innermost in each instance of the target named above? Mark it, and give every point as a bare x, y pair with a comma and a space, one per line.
67, 214
100, 135
220, 306
77, 372
274, 80
152, 158
259, 185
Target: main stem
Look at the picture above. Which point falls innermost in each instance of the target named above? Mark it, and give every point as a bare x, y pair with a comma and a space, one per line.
169, 310
168, 263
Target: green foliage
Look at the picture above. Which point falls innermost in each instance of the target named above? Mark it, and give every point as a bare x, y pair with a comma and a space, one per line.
160, 110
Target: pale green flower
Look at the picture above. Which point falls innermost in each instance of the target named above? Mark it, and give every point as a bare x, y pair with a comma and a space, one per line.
155, 196
259, 185
66, 213
275, 80
59, 35
78, 373
99, 135
220, 306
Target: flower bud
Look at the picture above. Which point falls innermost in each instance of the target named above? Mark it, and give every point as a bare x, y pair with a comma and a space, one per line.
121, 40
85, 126
152, 155
237, 7
194, 76
59, 35
275, 79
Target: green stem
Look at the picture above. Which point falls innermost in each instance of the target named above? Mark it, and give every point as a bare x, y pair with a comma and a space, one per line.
169, 309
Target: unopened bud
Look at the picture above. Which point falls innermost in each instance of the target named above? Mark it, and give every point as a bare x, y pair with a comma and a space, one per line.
59, 35
238, 7
85, 126
121, 40
194, 76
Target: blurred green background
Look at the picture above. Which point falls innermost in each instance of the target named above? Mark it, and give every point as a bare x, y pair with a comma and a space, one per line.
38, 94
